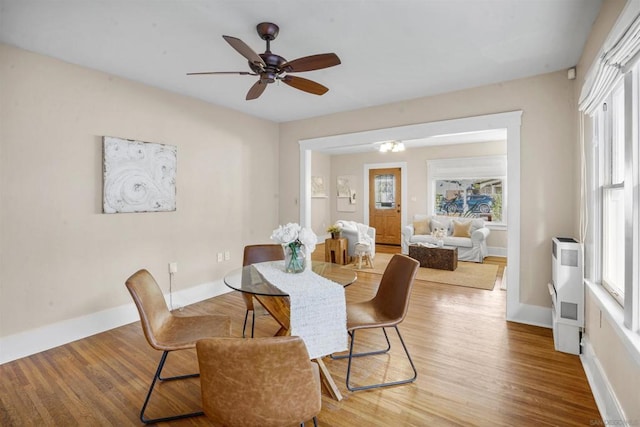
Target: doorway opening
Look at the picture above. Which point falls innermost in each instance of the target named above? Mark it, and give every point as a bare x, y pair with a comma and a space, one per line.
511, 121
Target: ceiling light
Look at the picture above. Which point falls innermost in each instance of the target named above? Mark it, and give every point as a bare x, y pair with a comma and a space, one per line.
393, 146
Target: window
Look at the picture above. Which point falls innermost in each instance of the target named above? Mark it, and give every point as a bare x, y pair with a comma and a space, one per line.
617, 163
612, 169
468, 187
479, 198
610, 226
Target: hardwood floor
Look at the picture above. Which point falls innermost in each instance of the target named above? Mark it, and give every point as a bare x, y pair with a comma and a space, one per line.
474, 369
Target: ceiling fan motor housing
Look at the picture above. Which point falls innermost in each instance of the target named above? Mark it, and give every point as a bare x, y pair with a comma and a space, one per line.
273, 66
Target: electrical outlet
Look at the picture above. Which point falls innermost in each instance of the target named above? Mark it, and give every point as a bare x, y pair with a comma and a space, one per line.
227, 255
173, 267
220, 257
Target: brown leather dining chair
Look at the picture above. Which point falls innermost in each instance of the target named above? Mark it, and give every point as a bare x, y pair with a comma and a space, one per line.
260, 382
166, 332
254, 254
387, 309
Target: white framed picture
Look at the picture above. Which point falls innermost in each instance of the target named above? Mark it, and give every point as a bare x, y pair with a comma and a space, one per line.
317, 187
138, 176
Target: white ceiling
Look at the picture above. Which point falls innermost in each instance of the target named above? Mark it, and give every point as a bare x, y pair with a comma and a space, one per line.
391, 50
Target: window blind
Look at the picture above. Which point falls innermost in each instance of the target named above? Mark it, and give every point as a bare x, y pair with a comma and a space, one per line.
620, 50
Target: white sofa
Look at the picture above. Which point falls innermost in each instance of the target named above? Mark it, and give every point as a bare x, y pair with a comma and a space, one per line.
356, 232
472, 248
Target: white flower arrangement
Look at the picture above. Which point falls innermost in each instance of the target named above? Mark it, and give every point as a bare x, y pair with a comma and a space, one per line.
293, 237
293, 233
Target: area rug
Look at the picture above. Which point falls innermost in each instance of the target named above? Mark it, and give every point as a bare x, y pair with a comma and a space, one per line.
469, 274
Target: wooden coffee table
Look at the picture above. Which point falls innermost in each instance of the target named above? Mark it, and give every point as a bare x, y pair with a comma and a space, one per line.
441, 258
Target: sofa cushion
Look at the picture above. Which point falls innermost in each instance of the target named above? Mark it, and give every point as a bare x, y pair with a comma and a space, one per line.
463, 242
461, 229
421, 226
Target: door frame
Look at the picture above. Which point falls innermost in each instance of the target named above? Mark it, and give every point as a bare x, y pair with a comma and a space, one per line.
512, 121
403, 189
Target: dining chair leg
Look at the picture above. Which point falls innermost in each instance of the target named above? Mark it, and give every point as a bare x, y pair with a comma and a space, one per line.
367, 387
253, 322
315, 422
370, 353
156, 377
244, 325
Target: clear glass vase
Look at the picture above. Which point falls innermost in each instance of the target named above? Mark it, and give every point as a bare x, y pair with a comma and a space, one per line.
294, 258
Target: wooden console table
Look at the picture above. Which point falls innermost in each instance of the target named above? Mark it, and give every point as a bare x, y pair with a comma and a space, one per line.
441, 258
335, 251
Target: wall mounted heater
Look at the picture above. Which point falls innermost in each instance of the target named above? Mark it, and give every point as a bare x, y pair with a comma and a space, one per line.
567, 294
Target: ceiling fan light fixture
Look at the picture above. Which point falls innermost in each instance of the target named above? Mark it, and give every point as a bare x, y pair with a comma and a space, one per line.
393, 146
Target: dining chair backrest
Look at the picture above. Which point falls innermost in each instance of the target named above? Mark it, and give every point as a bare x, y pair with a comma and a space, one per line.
151, 305
254, 254
262, 381
392, 297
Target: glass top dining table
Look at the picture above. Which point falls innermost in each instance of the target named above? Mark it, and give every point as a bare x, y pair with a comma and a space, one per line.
247, 279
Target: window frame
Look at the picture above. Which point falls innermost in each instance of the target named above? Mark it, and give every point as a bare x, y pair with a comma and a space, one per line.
610, 181
603, 128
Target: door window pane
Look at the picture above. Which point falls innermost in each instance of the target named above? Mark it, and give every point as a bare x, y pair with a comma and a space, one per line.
385, 191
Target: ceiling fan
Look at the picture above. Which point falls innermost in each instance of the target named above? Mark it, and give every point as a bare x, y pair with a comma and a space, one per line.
271, 67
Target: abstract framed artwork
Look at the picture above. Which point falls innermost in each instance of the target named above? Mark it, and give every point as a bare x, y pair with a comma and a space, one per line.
317, 187
138, 176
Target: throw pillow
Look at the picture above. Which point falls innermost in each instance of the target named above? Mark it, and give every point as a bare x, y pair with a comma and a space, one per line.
461, 229
436, 225
421, 226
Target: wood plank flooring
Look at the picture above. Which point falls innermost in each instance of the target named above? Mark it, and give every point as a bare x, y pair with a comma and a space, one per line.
474, 369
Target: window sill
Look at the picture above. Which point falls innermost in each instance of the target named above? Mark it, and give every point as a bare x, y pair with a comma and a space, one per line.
496, 226
615, 315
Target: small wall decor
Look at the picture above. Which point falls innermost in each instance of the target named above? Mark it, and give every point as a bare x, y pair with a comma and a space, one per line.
345, 185
138, 176
346, 193
317, 187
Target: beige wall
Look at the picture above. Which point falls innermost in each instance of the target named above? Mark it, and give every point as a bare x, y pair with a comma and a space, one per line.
320, 206
60, 257
548, 166
617, 364
416, 185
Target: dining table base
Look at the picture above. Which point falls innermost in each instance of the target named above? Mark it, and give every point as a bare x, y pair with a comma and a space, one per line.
279, 309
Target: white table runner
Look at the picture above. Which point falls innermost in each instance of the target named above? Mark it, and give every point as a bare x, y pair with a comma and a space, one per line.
318, 307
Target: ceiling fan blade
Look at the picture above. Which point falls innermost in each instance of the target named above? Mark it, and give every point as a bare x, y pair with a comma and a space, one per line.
245, 50
305, 85
256, 90
242, 73
313, 62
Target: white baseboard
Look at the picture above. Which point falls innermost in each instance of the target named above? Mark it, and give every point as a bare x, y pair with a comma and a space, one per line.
608, 405
26, 343
496, 251
503, 283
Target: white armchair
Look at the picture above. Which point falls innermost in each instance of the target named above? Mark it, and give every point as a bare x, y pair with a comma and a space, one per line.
356, 232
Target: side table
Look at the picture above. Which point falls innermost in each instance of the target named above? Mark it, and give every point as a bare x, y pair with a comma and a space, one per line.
335, 251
